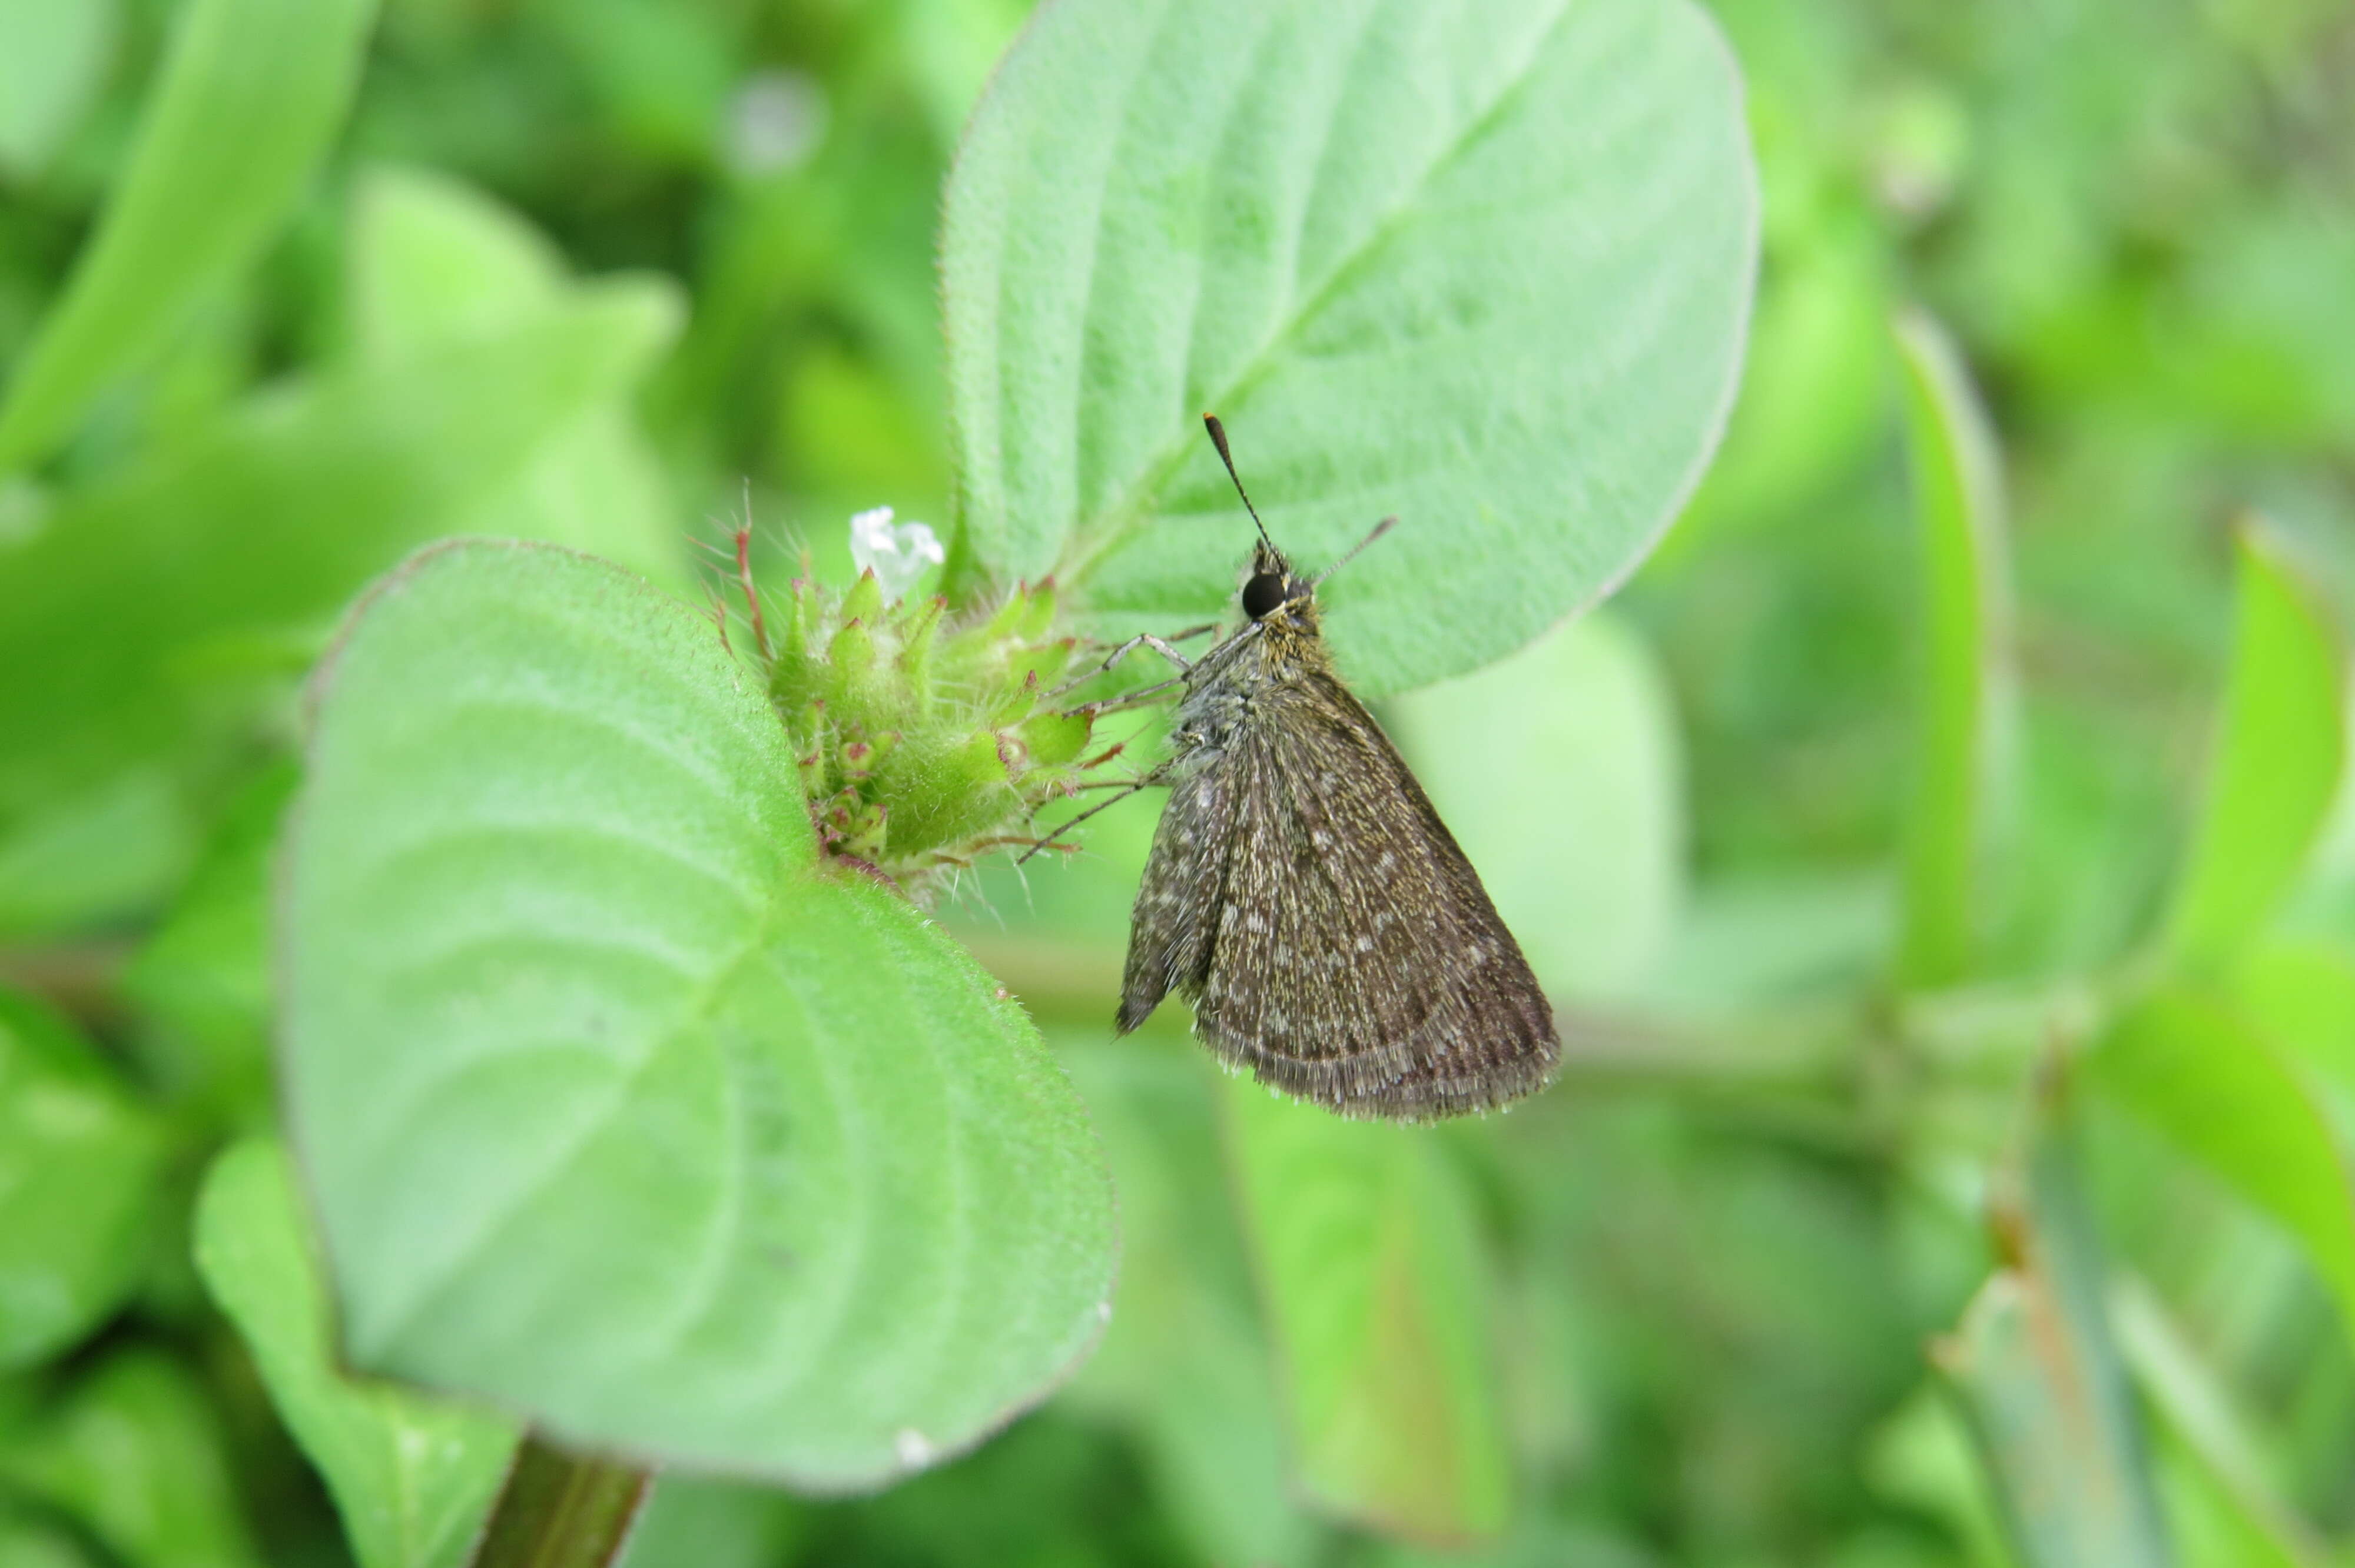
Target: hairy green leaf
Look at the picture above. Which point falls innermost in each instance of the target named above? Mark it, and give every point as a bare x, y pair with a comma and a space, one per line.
1593, 899
1960, 697
2207, 1076
1486, 267
81, 1167
621, 1107
251, 93
1369, 1260
2281, 744
412, 1477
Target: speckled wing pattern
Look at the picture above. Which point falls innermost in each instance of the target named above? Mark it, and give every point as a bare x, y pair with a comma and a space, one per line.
1304, 893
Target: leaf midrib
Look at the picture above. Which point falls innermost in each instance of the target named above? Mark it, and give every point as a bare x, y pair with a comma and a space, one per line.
698, 1010
1092, 538
696, 1014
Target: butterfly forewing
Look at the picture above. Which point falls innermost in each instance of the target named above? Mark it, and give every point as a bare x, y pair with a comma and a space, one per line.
1305, 896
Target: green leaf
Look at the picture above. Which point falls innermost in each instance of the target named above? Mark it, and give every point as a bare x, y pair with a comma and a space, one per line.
1961, 697
1559, 771
2277, 762
29, 1543
53, 61
2037, 1372
2215, 1526
435, 262
1486, 267
105, 852
1185, 1363
2199, 1409
1367, 1251
1922, 1459
411, 1476
80, 1164
138, 590
133, 1451
250, 95
951, 48
1776, 938
1814, 397
622, 1109
658, 74
2301, 993
2205, 1075
203, 978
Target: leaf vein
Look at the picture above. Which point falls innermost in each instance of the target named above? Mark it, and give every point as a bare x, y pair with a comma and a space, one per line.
1092, 538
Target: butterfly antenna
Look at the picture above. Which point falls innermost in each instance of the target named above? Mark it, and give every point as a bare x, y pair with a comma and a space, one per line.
1219, 439
1380, 528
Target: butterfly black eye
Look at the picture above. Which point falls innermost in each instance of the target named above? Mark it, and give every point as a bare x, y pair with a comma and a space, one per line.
1262, 594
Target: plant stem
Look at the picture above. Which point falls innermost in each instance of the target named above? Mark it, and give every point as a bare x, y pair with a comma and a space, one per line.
561, 1510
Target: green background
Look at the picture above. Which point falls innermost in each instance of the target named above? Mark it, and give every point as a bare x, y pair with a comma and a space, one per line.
1917, 757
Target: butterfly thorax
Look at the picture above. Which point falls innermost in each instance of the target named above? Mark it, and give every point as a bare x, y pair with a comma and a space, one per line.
1284, 647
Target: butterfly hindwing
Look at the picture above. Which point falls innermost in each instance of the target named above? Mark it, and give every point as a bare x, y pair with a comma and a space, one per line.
1305, 895
1176, 901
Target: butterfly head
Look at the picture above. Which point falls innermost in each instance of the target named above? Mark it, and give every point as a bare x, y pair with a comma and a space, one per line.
1270, 586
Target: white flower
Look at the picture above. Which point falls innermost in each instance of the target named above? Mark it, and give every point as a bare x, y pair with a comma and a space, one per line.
897, 556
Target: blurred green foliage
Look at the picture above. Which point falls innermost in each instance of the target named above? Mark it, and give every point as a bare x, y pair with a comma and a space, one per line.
1712, 1265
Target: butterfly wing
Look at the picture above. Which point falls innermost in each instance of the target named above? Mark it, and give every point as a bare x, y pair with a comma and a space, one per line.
1169, 930
1335, 940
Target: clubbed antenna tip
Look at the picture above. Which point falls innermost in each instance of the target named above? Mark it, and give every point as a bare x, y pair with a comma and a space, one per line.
1219, 439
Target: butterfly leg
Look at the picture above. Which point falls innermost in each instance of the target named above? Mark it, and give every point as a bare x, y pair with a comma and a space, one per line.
1128, 787
1006, 841
1160, 645
1136, 699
